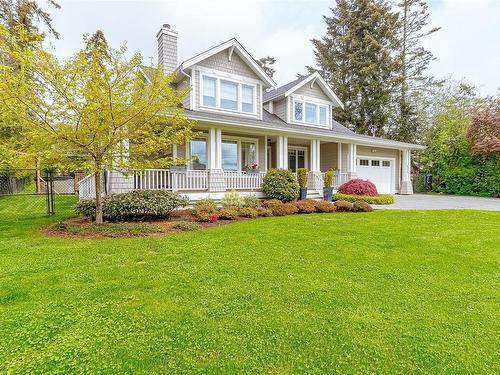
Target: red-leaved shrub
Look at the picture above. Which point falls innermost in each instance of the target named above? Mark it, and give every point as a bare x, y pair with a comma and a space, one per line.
358, 187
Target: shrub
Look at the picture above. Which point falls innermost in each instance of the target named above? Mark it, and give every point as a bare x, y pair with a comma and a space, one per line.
264, 212
328, 182
360, 206
135, 204
343, 205
205, 204
379, 199
302, 177
324, 206
86, 207
283, 209
280, 184
232, 200
205, 217
305, 206
187, 225
251, 201
270, 203
248, 212
358, 187
227, 214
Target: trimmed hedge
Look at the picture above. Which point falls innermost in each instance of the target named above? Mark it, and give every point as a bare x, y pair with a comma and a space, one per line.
379, 199
361, 206
134, 204
280, 184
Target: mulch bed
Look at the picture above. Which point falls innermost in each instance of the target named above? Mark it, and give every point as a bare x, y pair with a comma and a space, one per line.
82, 228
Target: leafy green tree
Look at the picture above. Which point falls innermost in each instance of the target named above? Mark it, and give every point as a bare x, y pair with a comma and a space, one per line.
96, 111
413, 61
357, 58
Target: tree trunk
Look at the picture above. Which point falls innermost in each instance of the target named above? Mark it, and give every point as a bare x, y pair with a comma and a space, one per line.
98, 200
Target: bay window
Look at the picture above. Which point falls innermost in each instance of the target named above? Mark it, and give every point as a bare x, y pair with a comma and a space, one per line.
310, 113
228, 95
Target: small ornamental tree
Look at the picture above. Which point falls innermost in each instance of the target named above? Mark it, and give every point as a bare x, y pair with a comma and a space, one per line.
483, 133
358, 187
95, 111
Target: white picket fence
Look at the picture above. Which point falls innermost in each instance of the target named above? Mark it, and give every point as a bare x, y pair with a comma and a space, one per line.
237, 180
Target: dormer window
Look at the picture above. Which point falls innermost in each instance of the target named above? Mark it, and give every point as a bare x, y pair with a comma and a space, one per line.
228, 95
310, 113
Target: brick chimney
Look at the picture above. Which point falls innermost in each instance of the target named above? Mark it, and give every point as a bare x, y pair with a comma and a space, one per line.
167, 48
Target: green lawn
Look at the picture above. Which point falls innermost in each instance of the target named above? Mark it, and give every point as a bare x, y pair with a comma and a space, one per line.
381, 292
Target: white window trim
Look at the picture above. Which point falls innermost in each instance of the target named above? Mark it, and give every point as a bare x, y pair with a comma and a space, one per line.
239, 140
240, 83
318, 103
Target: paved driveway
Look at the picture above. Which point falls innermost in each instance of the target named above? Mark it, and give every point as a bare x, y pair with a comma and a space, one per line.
441, 202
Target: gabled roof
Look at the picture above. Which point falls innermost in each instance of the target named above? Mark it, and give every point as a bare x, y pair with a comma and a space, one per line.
235, 47
291, 87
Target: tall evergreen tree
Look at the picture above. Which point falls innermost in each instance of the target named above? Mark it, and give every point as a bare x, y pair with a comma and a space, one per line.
266, 64
357, 58
413, 61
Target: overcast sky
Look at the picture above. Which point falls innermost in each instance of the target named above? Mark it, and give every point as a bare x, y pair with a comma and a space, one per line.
467, 46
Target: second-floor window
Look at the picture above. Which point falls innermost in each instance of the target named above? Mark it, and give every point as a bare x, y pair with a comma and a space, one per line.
228, 95
310, 113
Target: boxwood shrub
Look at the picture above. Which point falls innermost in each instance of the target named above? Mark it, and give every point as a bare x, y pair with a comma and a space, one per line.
379, 199
280, 184
135, 204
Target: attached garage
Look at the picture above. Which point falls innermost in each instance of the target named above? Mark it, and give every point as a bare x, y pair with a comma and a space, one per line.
380, 171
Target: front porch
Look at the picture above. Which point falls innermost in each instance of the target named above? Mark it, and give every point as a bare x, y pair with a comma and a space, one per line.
222, 161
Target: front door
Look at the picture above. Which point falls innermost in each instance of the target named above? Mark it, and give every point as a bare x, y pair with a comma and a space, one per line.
296, 158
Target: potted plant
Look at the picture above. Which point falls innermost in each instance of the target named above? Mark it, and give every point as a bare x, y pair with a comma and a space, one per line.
178, 166
328, 185
252, 168
302, 180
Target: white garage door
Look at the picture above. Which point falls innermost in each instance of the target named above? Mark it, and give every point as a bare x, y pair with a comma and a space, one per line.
378, 171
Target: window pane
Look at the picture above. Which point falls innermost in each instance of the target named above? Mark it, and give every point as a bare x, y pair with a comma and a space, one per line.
298, 111
311, 112
322, 115
199, 154
229, 95
209, 87
247, 98
301, 159
375, 163
292, 158
386, 163
363, 162
230, 155
248, 154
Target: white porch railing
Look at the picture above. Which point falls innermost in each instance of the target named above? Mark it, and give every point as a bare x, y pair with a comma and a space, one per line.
238, 180
86, 186
339, 179
165, 179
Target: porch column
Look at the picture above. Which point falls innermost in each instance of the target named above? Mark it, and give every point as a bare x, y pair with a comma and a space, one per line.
351, 161
406, 186
215, 173
315, 178
282, 152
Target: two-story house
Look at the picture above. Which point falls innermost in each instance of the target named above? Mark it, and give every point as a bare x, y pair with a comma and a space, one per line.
244, 118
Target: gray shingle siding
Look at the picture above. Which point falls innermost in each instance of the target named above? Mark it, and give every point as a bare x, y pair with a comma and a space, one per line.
315, 92
220, 62
181, 86
167, 52
279, 109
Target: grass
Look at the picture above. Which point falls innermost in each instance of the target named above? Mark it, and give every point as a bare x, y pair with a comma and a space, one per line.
381, 292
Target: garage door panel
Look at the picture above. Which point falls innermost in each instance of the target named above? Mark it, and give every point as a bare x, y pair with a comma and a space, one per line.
378, 171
